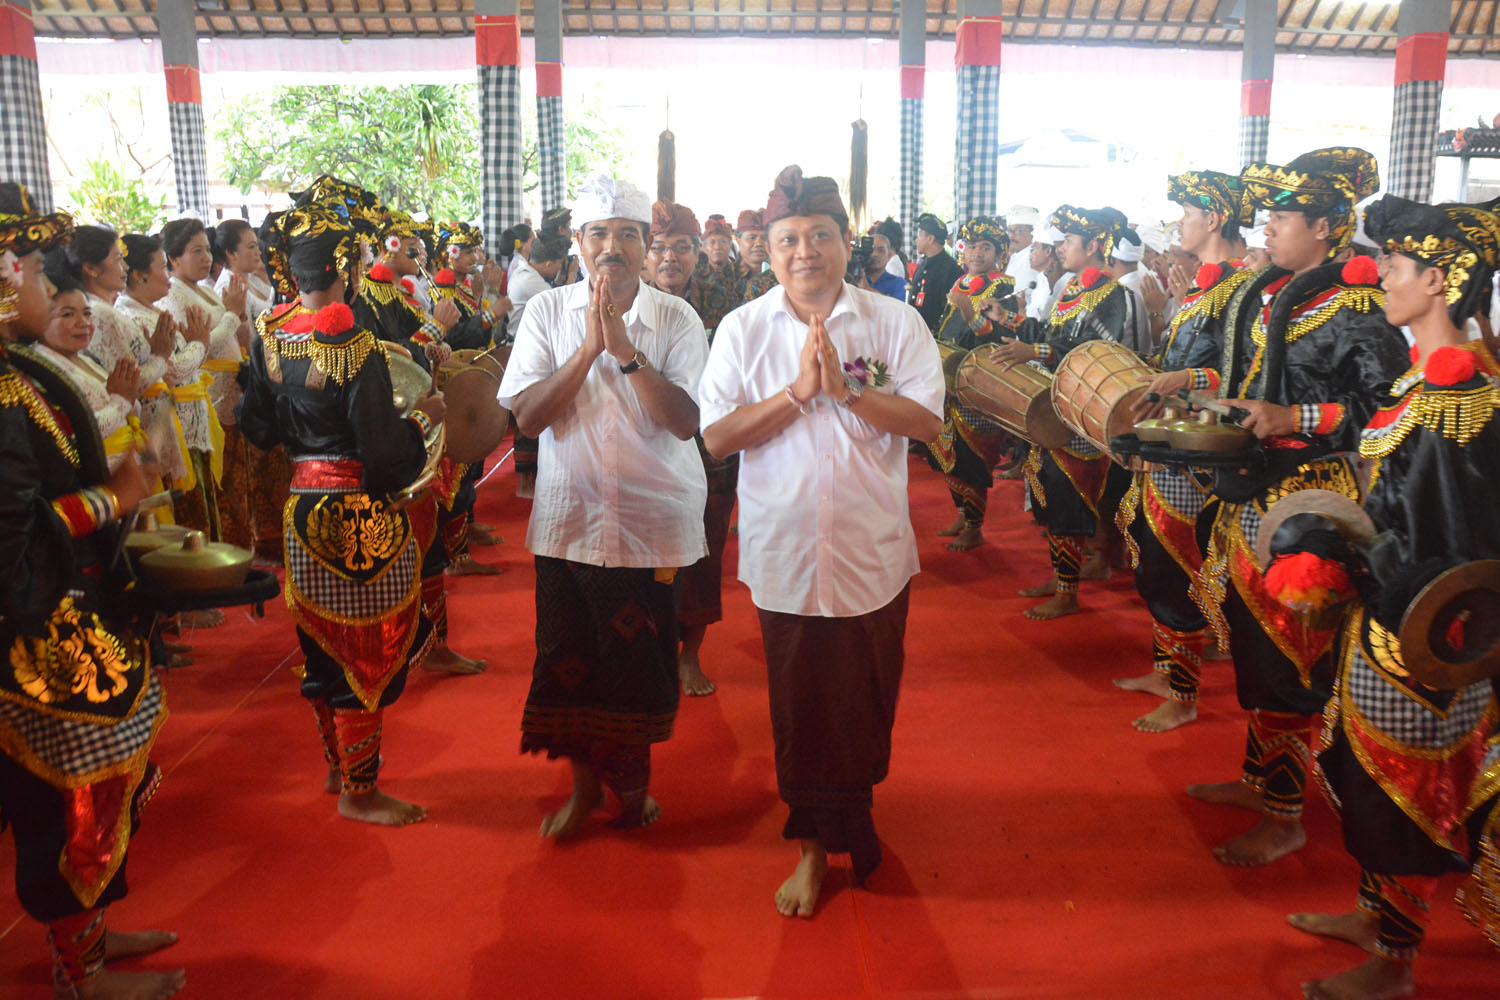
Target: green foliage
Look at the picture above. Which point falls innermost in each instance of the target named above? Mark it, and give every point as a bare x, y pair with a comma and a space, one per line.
416, 147
108, 197
592, 141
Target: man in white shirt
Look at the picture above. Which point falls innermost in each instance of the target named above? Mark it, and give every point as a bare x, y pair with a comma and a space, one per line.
604, 373
818, 384
1124, 265
1050, 277
1021, 223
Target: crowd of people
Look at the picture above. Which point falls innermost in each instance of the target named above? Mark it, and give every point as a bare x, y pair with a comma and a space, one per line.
663, 373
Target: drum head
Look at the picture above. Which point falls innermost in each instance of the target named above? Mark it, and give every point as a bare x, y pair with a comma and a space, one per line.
476, 421
1450, 634
1352, 521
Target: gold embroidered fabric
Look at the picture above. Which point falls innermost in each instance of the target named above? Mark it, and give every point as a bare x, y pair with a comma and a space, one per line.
16, 391
339, 362
353, 533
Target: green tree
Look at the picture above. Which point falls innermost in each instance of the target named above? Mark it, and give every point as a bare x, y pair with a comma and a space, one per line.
108, 197
416, 147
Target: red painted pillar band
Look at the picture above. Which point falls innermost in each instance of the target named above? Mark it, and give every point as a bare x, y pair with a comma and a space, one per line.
1422, 57
913, 82
978, 42
17, 32
1255, 97
549, 79
497, 40
183, 85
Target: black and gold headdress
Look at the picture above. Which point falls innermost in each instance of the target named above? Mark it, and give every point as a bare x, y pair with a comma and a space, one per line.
359, 206
1462, 240
1329, 182
992, 230
316, 231
400, 225
22, 229
452, 236
1212, 192
1102, 224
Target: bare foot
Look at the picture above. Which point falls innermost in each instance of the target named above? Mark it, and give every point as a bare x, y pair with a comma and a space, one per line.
1377, 979
482, 536
1357, 927
585, 799
1265, 842
109, 985
694, 682
334, 783
442, 660
526, 485
1230, 793
1152, 683
953, 529
480, 526
207, 618
134, 944
798, 895
1040, 590
1057, 606
967, 539
649, 813
1167, 716
1095, 566
379, 808
473, 567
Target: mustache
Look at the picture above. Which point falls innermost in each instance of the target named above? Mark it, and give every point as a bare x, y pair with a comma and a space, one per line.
610, 259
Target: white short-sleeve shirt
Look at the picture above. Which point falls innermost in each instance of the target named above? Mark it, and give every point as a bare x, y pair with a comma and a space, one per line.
614, 488
824, 524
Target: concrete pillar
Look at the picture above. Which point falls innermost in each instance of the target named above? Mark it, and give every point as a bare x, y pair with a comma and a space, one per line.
1257, 68
913, 83
1421, 61
497, 56
551, 152
179, 56
977, 60
23, 129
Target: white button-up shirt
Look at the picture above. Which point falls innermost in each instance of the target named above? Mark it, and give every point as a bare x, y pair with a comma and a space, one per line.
824, 524
614, 488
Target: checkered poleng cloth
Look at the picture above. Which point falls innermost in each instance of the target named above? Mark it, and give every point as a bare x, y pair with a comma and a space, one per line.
23, 129
1403, 719
1255, 138
977, 147
500, 125
911, 168
1414, 125
78, 748
551, 152
330, 593
189, 158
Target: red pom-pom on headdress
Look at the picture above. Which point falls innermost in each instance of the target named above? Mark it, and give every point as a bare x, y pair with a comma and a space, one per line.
1361, 270
445, 277
1450, 366
1091, 276
408, 285
334, 320
1307, 582
382, 273
1208, 276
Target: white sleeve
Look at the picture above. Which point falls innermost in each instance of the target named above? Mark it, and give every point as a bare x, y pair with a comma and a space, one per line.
918, 370
532, 359
722, 388
687, 352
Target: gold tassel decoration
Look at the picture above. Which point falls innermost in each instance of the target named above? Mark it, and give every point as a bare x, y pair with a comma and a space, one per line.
859, 170
666, 166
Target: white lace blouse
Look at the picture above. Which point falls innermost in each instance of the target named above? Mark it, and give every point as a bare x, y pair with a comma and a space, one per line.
223, 340
111, 412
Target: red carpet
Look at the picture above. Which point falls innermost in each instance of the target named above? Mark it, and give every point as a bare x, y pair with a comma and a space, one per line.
1036, 845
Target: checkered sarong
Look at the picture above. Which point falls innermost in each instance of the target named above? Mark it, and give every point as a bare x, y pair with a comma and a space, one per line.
23, 130
332, 594
189, 158
977, 146
80, 749
1414, 126
500, 147
551, 152
911, 168
1403, 720
1255, 138
1178, 489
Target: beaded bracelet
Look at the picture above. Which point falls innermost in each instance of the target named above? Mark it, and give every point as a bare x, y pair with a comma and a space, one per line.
801, 406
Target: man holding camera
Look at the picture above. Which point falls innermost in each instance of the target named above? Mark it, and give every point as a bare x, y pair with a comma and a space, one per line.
868, 260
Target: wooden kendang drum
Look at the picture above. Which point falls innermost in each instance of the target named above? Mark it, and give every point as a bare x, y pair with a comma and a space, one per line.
952, 356
1097, 385
476, 421
1016, 396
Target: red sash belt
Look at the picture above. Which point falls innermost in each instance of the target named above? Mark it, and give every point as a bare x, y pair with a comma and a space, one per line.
328, 474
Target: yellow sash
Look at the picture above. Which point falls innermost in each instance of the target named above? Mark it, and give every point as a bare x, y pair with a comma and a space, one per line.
127, 436
195, 392
156, 390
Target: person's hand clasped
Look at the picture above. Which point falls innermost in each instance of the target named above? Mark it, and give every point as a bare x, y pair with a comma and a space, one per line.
124, 379
604, 315
163, 338
831, 369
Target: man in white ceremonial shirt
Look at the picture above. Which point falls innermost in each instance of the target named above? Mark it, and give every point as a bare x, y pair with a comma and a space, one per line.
605, 372
818, 385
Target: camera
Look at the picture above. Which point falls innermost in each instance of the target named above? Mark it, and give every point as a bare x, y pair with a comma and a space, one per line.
859, 257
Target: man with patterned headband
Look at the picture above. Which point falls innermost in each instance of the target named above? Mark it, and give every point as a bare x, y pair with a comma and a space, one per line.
1068, 484
754, 268
321, 386
1309, 356
669, 261
1160, 513
80, 706
970, 444
1400, 758
829, 579
604, 372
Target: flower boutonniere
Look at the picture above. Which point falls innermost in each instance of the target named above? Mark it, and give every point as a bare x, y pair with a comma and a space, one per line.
868, 372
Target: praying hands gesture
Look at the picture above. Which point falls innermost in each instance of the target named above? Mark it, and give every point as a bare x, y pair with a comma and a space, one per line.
163, 337
124, 379
604, 327
197, 326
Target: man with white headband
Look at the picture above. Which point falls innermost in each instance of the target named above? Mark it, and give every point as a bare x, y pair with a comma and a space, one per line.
1124, 264
604, 372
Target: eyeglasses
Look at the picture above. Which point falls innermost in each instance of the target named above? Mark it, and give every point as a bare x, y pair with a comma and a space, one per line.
681, 249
